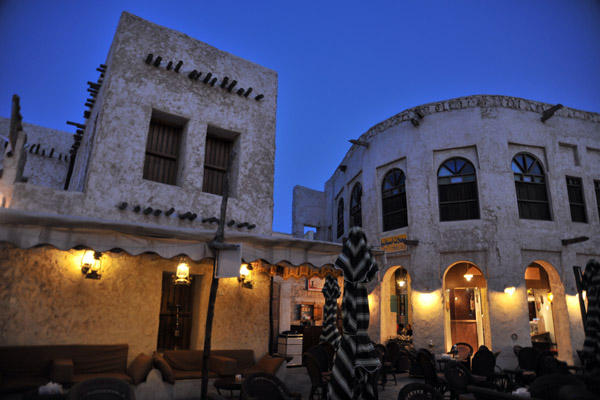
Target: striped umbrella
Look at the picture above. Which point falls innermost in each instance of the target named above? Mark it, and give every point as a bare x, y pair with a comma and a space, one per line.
591, 346
331, 292
356, 359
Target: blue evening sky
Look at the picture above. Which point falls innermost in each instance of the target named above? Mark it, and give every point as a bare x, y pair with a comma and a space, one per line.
343, 66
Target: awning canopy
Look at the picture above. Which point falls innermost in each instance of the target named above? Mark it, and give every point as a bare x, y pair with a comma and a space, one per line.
26, 229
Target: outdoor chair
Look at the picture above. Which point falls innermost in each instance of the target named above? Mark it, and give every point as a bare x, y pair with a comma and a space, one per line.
415, 368
391, 358
524, 374
419, 391
483, 363
432, 378
330, 349
318, 380
540, 361
381, 352
464, 353
322, 357
263, 386
459, 378
482, 393
101, 389
548, 386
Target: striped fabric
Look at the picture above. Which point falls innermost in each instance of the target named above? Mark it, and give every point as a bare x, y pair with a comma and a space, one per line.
331, 292
591, 346
356, 359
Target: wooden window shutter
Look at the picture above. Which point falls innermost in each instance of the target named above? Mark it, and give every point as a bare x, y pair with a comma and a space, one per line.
215, 164
162, 153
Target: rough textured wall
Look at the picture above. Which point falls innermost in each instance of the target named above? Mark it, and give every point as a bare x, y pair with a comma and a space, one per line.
308, 209
242, 315
47, 300
116, 135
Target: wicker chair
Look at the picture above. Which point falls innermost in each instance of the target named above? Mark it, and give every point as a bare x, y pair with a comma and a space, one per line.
101, 389
548, 386
464, 353
391, 358
419, 391
432, 378
321, 355
459, 378
318, 380
263, 386
330, 349
484, 364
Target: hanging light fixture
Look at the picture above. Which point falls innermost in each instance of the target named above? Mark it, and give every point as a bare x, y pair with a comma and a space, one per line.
509, 290
182, 276
471, 271
91, 264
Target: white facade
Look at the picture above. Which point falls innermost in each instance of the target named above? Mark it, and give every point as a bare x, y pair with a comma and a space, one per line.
488, 131
108, 169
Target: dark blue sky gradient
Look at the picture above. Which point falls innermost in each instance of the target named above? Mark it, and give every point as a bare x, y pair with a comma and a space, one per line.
343, 66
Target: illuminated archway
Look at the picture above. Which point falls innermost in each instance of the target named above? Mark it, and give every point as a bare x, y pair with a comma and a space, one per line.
548, 317
465, 306
396, 307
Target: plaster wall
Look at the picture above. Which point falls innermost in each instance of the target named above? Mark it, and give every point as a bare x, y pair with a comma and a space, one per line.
488, 131
308, 209
47, 300
113, 149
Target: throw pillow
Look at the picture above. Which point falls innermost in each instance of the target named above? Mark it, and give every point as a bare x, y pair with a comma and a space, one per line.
139, 368
164, 368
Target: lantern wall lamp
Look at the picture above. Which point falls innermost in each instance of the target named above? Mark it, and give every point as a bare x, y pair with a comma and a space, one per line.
182, 276
244, 278
91, 264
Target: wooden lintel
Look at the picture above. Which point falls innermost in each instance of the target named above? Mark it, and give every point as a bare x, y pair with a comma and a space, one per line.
579, 239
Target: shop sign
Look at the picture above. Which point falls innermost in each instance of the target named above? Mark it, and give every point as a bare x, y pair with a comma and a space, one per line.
393, 243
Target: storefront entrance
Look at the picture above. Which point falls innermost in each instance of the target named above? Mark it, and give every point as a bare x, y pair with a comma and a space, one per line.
465, 310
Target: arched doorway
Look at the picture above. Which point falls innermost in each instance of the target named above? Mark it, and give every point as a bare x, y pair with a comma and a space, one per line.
544, 293
396, 308
465, 306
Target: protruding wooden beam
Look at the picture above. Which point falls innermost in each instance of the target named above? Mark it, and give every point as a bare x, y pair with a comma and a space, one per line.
579, 239
359, 143
550, 112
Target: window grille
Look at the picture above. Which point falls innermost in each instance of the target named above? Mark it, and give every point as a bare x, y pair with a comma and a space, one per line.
340, 218
162, 152
216, 158
576, 200
457, 190
393, 199
355, 206
530, 186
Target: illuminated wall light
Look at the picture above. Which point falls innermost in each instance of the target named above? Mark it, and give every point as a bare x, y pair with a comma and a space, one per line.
91, 264
509, 290
245, 276
550, 297
182, 276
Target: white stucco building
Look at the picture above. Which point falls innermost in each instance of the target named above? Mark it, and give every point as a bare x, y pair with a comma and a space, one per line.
497, 183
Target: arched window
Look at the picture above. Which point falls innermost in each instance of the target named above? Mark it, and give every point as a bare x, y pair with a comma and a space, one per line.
355, 206
393, 200
530, 184
457, 189
340, 218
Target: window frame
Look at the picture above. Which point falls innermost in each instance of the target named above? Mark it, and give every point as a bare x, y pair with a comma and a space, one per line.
527, 183
398, 199
340, 218
356, 206
457, 209
575, 187
214, 173
161, 165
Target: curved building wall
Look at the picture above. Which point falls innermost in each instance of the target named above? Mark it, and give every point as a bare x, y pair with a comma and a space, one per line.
488, 131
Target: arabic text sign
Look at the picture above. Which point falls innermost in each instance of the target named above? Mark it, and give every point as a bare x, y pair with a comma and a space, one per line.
393, 243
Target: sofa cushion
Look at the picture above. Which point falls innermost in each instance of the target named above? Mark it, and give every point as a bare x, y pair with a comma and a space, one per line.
179, 375
61, 370
184, 360
164, 368
224, 366
266, 364
139, 368
243, 357
119, 375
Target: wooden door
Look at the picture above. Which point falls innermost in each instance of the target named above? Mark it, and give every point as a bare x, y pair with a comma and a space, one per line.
175, 320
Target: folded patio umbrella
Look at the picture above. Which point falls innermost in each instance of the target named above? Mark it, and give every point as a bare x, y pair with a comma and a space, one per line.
331, 292
356, 359
591, 346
